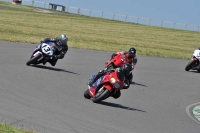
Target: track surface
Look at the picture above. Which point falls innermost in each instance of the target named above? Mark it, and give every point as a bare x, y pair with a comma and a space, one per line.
50, 99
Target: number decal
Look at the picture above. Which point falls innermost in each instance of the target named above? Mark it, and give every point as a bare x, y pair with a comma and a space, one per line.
46, 49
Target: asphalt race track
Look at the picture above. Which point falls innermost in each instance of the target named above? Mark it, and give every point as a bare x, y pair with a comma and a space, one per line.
50, 99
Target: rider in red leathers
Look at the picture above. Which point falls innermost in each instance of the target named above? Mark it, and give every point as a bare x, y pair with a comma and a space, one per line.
130, 57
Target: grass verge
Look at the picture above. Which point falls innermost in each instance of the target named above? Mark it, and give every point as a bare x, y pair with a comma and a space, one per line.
5, 128
23, 24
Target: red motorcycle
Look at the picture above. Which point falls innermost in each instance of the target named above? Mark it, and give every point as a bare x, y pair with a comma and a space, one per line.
117, 61
105, 86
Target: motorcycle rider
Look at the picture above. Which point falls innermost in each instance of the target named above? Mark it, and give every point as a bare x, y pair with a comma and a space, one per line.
61, 48
126, 70
131, 57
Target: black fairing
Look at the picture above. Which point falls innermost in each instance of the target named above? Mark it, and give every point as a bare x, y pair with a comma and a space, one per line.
120, 76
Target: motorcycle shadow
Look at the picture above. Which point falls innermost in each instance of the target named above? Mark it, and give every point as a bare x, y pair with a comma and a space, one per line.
134, 83
53, 69
119, 106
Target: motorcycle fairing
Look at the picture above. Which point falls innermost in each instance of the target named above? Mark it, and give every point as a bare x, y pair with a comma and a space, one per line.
196, 67
196, 56
52, 45
39, 47
97, 83
119, 60
102, 80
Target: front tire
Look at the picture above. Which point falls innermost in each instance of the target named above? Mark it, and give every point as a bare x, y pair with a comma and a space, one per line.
87, 94
102, 94
190, 65
33, 60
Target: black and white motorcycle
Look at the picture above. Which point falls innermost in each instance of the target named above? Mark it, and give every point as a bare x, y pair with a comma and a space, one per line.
43, 52
194, 62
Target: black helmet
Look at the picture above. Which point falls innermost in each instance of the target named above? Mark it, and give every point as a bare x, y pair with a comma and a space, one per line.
126, 69
62, 40
132, 52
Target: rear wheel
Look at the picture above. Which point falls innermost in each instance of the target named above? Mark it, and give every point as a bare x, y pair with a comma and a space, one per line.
190, 65
33, 60
87, 94
102, 94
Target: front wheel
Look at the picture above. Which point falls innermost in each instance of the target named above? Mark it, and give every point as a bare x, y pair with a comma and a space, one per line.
33, 60
190, 65
102, 94
86, 94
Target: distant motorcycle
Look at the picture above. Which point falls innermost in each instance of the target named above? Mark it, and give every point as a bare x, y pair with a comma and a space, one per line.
44, 51
194, 62
105, 86
117, 61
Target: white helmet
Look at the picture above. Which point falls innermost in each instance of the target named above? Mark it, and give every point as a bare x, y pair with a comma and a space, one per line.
62, 40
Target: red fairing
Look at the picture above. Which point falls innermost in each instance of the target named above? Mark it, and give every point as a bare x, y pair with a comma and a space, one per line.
121, 83
105, 80
108, 87
107, 83
118, 61
92, 92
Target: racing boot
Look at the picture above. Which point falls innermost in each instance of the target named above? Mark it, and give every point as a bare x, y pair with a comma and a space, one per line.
93, 80
101, 73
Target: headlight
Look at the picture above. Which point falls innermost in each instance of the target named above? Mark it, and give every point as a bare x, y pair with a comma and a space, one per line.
112, 80
116, 85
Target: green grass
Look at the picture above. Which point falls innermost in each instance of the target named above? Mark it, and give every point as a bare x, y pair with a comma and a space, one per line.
22, 24
5, 128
